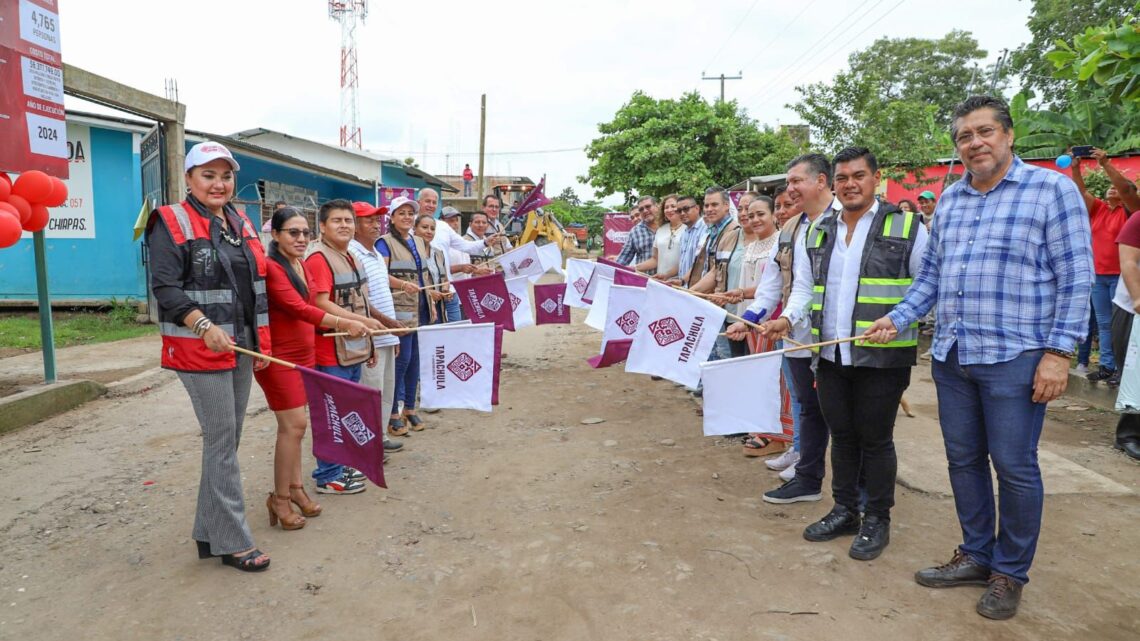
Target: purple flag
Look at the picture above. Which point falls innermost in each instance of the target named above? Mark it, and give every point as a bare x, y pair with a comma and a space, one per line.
629, 279
533, 200
622, 319
549, 307
616, 265
346, 423
485, 299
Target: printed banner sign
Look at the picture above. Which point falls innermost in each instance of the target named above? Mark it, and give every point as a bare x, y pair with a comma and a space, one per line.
549, 304
616, 231
346, 423
676, 334
457, 366
32, 123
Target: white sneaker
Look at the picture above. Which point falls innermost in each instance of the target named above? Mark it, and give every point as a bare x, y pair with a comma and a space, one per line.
788, 473
788, 459
1081, 370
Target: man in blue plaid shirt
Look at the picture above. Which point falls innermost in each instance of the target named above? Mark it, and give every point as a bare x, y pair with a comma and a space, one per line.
1010, 268
639, 246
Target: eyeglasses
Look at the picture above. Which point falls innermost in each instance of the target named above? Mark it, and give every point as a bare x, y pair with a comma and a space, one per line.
968, 137
297, 233
681, 210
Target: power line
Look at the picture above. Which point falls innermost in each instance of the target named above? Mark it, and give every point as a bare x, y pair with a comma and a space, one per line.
475, 153
790, 70
837, 50
725, 42
771, 43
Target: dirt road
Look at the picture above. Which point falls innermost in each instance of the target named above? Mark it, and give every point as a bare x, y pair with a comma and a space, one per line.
523, 524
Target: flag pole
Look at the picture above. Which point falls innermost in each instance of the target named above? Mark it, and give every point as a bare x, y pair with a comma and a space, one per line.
375, 332
264, 357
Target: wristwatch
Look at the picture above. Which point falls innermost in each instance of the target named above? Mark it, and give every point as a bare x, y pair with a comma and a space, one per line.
1058, 352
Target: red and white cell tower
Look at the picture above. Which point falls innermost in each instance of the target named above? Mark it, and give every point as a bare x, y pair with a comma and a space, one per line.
348, 13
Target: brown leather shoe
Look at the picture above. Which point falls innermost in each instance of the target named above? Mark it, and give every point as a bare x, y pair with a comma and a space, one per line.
961, 570
1001, 599
396, 427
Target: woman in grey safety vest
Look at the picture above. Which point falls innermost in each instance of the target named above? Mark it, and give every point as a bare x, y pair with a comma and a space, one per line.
208, 276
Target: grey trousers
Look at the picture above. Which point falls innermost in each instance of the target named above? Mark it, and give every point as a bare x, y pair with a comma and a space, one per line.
219, 400
383, 378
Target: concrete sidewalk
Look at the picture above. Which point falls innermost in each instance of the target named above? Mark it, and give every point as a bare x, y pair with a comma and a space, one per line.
101, 362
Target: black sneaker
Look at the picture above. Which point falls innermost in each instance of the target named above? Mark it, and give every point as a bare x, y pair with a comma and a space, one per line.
1101, 374
354, 474
791, 492
961, 570
342, 485
1114, 380
838, 522
872, 539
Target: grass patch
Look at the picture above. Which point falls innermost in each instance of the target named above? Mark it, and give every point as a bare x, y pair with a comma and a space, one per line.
78, 327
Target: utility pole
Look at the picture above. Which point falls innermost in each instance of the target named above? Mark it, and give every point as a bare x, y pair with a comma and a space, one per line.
482, 141
722, 78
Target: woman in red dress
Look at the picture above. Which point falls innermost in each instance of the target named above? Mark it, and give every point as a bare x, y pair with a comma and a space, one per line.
291, 321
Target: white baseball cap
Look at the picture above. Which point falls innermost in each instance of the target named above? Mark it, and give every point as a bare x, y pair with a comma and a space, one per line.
401, 201
204, 152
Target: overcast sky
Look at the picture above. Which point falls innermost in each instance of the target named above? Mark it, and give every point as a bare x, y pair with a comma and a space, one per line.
551, 71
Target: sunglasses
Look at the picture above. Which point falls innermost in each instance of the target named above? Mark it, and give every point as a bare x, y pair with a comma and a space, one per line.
297, 233
681, 210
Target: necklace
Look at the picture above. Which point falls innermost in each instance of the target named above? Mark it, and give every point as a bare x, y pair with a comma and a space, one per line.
229, 238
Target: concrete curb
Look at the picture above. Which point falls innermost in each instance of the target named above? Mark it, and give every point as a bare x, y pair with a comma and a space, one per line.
141, 383
44, 401
1095, 394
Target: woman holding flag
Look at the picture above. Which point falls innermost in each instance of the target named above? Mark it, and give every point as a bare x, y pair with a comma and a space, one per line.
437, 265
407, 257
208, 277
291, 321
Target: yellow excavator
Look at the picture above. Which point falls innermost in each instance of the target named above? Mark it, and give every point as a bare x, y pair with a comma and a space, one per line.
538, 226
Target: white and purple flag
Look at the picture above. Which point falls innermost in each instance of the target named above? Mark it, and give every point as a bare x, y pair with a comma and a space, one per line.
578, 273
622, 318
518, 291
534, 199
550, 255
675, 335
485, 299
549, 304
600, 283
522, 261
743, 395
457, 366
346, 422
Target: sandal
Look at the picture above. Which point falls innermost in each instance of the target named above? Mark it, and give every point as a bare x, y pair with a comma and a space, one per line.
289, 519
396, 427
416, 421
245, 562
760, 446
308, 506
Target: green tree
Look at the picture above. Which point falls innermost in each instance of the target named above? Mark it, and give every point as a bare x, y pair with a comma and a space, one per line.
1050, 21
569, 196
1044, 133
895, 98
589, 214
655, 147
1105, 56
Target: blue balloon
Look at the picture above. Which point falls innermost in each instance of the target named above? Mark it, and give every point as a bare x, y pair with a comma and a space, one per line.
1064, 160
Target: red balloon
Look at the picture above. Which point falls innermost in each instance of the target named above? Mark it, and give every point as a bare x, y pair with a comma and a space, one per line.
5, 178
58, 193
8, 207
33, 185
5, 190
9, 229
22, 206
38, 220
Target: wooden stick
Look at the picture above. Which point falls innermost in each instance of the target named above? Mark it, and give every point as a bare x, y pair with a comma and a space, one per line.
376, 332
249, 352
443, 284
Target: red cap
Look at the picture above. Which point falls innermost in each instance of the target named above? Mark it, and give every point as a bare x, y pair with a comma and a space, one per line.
364, 209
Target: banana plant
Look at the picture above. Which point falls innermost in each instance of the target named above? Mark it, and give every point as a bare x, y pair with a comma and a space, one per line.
1089, 120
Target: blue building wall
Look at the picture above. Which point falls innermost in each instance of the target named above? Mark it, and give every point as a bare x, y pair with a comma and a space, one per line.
108, 265
394, 176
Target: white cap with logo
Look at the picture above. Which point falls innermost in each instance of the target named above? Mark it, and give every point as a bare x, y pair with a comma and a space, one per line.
400, 201
204, 152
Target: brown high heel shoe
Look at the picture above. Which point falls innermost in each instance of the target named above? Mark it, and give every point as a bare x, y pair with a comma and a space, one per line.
308, 506
290, 520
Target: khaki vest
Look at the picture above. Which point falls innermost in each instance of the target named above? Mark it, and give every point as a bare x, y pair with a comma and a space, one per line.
402, 265
350, 292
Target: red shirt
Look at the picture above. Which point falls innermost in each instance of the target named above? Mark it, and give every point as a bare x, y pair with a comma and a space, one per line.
1106, 224
291, 317
468, 174
321, 282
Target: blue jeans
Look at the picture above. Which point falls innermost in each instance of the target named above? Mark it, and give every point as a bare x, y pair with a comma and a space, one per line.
988, 414
407, 374
454, 313
786, 369
326, 471
1103, 289
1084, 349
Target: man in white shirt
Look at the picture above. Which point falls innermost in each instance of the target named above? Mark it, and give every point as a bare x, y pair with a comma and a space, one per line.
854, 267
446, 239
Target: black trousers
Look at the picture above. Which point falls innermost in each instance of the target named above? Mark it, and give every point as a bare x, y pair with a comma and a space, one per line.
1128, 427
860, 405
813, 429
